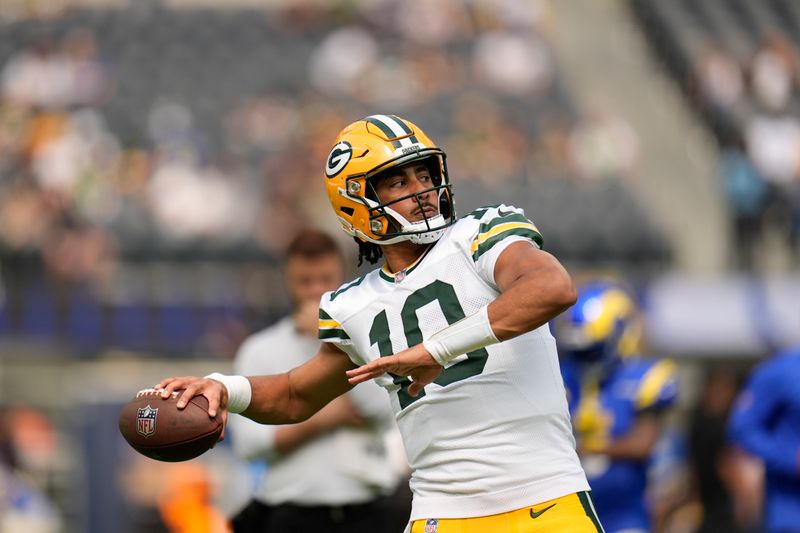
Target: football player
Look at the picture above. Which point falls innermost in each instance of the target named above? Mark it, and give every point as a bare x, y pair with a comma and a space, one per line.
766, 423
454, 326
617, 400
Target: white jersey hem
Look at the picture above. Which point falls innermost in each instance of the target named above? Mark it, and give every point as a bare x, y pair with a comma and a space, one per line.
498, 502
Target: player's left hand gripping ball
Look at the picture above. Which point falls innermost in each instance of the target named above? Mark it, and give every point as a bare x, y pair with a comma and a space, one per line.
155, 427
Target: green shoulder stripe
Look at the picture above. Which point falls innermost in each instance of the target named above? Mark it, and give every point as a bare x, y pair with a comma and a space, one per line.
333, 333
481, 247
501, 226
479, 212
323, 315
346, 287
503, 218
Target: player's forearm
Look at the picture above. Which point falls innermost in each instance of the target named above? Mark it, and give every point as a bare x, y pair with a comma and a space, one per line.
275, 402
531, 300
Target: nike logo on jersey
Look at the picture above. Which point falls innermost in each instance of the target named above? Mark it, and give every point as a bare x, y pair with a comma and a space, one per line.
535, 514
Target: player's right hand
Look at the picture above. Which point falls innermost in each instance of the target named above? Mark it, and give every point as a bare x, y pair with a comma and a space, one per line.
214, 391
415, 362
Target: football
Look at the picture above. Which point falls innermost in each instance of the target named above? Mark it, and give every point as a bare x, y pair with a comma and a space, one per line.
155, 427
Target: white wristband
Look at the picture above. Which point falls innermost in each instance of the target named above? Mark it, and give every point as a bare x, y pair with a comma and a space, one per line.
466, 335
239, 391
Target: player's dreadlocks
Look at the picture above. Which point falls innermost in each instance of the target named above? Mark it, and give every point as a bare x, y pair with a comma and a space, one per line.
369, 251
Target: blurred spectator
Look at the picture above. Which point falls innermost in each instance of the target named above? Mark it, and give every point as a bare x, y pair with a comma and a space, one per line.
444, 21
88, 81
551, 149
50, 76
526, 68
191, 202
26, 447
340, 61
25, 217
603, 145
487, 144
141, 482
720, 78
531, 15
747, 197
262, 124
185, 502
773, 143
329, 473
721, 89
774, 72
766, 423
37, 75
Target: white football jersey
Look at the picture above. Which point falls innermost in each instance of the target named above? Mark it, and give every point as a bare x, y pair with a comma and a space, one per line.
492, 433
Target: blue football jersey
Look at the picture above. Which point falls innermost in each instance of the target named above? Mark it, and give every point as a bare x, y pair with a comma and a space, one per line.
766, 422
605, 409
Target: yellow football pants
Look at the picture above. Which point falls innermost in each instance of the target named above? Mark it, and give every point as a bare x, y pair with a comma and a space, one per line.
573, 513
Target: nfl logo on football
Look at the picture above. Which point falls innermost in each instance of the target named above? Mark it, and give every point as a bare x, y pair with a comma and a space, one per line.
431, 525
146, 421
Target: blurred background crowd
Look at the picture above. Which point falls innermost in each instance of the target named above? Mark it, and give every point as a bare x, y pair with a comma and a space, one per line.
157, 156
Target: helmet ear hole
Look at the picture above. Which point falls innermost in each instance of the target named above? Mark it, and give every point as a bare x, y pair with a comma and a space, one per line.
347, 210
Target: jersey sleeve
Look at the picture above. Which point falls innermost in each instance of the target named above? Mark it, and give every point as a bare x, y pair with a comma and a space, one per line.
330, 330
658, 387
497, 228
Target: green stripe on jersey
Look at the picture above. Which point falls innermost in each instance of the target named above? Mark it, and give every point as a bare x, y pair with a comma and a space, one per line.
324, 316
350, 286
503, 218
487, 240
488, 244
478, 213
333, 333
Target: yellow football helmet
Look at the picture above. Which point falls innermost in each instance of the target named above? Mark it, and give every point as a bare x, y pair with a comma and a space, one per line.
373, 145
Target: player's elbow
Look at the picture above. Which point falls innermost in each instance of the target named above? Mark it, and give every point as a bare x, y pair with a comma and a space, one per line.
562, 292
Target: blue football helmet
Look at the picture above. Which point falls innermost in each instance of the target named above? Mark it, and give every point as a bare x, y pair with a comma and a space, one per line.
601, 327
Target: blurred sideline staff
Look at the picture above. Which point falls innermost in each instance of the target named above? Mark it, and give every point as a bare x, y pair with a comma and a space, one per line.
330, 472
766, 423
617, 400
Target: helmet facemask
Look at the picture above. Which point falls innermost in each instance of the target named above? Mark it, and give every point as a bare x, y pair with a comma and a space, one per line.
389, 225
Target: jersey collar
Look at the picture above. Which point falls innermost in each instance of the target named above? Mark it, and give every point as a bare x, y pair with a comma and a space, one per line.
400, 275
